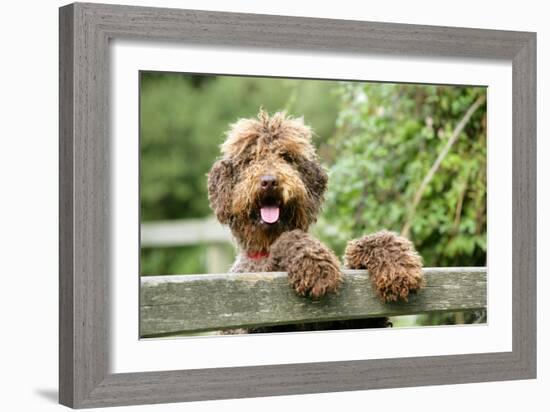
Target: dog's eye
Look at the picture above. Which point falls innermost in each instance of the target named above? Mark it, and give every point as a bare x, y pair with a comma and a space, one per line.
287, 157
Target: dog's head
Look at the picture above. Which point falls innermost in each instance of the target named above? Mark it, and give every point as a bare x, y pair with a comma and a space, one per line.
268, 179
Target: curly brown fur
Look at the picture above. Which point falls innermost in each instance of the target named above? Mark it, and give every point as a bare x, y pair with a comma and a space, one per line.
394, 266
313, 269
268, 186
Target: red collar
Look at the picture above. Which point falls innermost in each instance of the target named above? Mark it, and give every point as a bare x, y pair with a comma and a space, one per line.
257, 255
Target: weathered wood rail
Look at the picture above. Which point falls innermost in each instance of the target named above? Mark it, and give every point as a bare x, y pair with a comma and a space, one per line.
194, 303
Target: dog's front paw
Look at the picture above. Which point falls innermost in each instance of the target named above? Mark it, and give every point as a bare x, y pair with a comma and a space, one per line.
393, 264
394, 282
315, 276
313, 269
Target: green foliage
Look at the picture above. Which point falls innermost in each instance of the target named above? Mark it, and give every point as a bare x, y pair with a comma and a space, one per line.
387, 139
163, 260
180, 260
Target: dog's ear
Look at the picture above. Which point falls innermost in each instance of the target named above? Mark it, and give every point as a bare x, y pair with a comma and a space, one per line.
315, 179
220, 189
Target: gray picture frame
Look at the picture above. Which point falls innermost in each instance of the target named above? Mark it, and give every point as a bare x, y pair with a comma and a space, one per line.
85, 32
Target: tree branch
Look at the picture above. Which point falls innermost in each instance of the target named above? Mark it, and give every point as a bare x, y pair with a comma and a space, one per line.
429, 176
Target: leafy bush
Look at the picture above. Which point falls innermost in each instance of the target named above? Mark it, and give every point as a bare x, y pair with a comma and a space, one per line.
388, 138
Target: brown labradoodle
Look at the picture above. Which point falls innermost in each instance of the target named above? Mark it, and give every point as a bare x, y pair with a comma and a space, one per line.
268, 186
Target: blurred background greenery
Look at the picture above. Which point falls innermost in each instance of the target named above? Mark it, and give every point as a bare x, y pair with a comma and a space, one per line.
378, 142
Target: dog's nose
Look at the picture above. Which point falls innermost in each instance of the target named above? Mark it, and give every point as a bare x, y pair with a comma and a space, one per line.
268, 182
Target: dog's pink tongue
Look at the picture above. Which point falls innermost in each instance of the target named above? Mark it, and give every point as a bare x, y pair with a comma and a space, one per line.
270, 214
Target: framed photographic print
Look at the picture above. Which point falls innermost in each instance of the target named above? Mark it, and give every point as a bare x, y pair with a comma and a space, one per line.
257, 205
